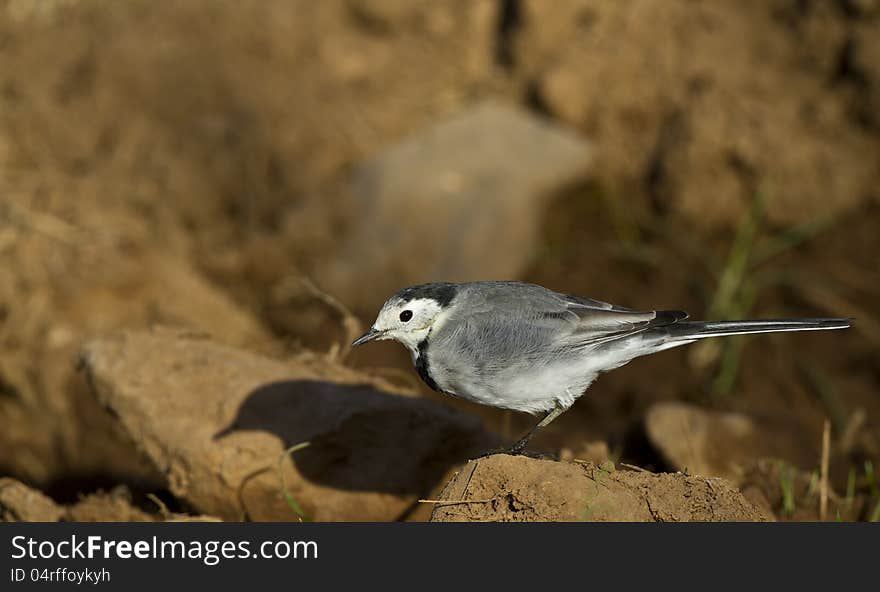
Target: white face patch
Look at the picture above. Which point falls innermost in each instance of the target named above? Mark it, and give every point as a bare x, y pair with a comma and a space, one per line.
407, 322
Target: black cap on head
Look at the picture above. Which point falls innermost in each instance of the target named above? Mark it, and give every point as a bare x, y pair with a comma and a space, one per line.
442, 292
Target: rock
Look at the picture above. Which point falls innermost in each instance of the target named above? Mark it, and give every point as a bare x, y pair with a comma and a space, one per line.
461, 200
20, 503
720, 444
215, 421
522, 489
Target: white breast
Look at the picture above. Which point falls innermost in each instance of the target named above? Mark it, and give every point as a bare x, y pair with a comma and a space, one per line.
531, 389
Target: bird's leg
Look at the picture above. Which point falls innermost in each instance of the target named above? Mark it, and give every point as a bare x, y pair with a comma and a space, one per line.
522, 442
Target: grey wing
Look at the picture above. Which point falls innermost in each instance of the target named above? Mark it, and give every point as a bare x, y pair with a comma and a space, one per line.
525, 317
594, 322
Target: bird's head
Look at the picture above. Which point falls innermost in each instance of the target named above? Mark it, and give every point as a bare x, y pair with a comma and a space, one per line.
408, 316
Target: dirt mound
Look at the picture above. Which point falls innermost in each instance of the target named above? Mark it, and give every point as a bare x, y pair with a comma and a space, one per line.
215, 421
516, 488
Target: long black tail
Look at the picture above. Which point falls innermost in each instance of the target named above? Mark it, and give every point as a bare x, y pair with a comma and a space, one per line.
691, 330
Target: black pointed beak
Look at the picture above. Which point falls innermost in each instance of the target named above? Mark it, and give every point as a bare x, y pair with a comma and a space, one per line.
367, 337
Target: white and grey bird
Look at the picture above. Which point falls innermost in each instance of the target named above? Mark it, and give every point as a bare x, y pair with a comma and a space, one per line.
523, 347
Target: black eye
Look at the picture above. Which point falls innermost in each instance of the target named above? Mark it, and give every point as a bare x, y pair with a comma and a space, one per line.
406, 315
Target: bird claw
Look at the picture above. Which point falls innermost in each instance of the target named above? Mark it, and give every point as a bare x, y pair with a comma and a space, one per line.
518, 449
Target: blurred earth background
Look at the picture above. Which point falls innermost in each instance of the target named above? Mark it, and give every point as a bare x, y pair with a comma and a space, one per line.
260, 175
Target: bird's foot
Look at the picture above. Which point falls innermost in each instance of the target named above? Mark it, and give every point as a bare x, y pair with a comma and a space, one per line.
489, 453
509, 452
517, 449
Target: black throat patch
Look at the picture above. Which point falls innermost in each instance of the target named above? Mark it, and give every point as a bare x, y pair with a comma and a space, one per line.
422, 365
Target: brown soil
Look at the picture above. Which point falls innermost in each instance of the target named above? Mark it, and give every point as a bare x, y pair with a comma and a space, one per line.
504, 488
185, 164
115, 506
20, 503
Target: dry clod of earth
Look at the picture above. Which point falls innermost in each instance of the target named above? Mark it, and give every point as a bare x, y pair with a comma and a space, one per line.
20, 503
522, 489
216, 421
112, 506
722, 444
